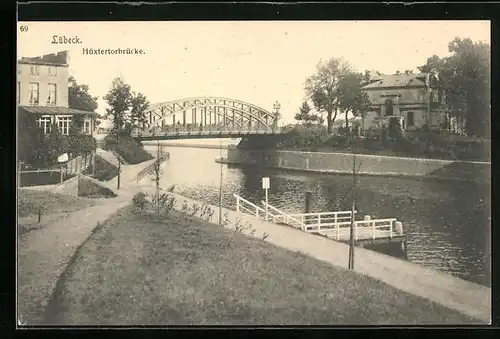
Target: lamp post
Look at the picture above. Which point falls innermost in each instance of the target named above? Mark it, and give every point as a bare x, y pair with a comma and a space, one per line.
276, 107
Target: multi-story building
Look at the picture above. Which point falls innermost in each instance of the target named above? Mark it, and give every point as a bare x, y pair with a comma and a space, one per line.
414, 98
42, 90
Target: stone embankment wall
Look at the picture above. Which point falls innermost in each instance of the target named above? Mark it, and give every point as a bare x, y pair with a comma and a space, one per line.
370, 164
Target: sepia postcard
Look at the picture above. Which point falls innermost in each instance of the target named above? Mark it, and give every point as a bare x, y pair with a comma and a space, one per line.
253, 173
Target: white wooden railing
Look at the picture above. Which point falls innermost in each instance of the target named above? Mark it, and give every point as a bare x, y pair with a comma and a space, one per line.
285, 218
245, 206
332, 224
337, 224
363, 229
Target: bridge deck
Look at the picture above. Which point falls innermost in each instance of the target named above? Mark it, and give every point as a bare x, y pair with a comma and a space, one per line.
202, 134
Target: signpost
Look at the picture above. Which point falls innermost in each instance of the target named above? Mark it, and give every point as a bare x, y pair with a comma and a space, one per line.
265, 186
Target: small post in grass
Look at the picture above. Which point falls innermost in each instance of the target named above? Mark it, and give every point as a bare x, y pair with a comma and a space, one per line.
39, 214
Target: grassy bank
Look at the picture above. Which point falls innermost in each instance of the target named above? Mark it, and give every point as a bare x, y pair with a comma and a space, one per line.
144, 269
52, 206
409, 144
128, 148
104, 170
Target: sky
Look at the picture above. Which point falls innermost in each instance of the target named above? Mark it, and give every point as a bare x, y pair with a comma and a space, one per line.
259, 62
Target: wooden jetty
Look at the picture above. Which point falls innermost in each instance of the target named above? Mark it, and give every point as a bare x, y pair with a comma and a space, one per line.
334, 225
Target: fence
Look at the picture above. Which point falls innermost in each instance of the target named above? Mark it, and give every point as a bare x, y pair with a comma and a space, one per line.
148, 169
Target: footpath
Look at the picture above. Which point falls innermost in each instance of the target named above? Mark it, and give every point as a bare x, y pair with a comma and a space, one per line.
44, 254
466, 297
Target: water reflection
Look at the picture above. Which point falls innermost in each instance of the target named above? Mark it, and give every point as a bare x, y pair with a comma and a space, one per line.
448, 224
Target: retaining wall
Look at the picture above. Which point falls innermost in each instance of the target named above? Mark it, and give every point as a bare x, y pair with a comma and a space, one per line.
370, 164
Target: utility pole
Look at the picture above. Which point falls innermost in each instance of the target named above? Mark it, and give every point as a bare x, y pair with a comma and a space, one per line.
352, 240
157, 176
220, 186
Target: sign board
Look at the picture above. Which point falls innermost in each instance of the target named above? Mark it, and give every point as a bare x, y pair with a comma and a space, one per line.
63, 158
265, 183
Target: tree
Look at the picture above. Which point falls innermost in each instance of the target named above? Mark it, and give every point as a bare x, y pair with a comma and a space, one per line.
79, 97
306, 117
31, 140
323, 87
352, 97
119, 101
139, 105
465, 79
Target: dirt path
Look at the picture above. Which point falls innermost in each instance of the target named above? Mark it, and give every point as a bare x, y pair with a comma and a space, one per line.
44, 253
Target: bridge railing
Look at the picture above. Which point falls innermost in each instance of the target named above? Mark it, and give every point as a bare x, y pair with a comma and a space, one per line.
210, 129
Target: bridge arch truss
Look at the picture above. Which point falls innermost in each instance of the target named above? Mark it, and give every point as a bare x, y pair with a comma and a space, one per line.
200, 112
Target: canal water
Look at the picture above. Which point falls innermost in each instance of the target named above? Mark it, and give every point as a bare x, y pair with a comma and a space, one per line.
448, 224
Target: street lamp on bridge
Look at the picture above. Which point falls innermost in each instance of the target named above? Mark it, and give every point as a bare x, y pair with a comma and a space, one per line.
276, 107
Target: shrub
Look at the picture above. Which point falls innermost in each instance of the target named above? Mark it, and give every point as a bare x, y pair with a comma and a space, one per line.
165, 202
139, 200
128, 148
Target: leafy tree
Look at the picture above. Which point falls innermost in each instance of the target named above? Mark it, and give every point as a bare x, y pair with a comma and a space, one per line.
353, 98
323, 87
79, 97
306, 117
31, 140
465, 78
119, 101
139, 104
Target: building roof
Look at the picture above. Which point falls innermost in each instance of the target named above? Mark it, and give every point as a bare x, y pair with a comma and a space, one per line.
397, 81
57, 59
55, 110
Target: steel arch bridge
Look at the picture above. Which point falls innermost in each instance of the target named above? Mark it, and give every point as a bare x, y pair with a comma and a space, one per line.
206, 117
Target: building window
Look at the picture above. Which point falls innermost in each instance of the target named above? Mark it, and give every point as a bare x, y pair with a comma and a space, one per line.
410, 119
34, 91
389, 108
63, 125
86, 126
18, 92
34, 69
51, 100
52, 70
45, 123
